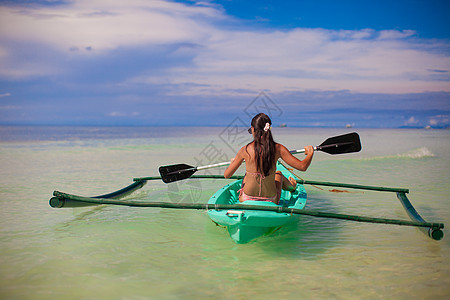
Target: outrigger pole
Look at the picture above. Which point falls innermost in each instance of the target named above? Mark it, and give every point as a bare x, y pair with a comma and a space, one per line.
247, 207
301, 181
60, 202
433, 230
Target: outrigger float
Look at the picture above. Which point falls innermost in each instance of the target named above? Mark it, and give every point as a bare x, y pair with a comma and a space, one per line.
249, 220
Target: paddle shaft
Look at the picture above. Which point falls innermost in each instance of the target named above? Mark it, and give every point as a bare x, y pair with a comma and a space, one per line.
226, 163
301, 150
195, 169
321, 148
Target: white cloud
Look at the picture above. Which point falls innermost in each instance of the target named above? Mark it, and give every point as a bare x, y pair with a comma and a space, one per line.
123, 114
225, 60
440, 120
395, 34
411, 121
303, 59
103, 25
5, 95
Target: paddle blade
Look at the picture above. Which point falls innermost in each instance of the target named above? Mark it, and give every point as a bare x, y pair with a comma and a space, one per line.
341, 144
176, 172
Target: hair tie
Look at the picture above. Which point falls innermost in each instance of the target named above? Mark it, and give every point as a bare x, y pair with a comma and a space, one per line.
267, 127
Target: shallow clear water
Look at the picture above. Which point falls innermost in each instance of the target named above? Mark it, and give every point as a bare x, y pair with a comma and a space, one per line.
110, 252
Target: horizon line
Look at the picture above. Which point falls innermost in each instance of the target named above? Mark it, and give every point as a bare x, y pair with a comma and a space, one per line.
221, 126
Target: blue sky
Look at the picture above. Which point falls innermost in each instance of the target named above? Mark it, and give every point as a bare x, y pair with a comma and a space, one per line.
322, 63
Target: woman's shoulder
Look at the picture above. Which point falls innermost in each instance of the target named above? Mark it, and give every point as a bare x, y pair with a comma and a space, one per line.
249, 146
279, 147
244, 151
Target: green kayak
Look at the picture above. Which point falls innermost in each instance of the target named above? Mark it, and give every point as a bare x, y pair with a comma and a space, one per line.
246, 225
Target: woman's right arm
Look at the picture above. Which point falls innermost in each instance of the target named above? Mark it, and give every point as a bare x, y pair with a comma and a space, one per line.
235, 164
301, 165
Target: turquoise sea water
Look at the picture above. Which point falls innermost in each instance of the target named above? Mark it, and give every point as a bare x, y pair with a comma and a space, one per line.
115, 252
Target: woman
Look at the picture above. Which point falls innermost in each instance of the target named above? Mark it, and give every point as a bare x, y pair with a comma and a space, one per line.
262, 182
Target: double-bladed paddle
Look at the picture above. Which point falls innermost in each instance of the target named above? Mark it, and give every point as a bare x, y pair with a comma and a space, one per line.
341, 144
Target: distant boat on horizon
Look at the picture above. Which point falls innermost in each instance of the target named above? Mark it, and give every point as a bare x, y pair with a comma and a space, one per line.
348, 126
282, 125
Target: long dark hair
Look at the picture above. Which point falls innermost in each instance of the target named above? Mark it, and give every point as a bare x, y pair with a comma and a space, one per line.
264, 144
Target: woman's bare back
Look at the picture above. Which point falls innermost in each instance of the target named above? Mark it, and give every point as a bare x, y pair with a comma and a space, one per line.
255, 183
